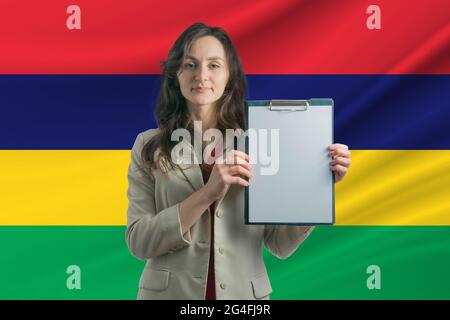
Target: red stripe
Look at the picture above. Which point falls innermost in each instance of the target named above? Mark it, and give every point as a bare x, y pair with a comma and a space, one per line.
272, 36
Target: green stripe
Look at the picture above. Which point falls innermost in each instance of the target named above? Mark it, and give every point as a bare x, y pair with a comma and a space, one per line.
331, 263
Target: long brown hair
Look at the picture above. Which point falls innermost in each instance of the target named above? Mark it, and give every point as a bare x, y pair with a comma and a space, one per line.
171, 110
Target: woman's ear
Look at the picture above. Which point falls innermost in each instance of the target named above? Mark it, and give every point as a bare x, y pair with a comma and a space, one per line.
176, 82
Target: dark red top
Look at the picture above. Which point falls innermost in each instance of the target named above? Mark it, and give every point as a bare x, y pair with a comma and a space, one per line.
210, 283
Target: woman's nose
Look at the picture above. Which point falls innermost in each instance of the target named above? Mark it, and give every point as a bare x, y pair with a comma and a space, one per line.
202, 74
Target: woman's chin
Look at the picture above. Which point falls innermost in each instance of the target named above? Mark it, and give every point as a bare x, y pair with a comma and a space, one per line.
202, 102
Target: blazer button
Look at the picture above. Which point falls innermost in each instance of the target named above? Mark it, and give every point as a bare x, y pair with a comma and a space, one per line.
223, 286
219, 213
221, 250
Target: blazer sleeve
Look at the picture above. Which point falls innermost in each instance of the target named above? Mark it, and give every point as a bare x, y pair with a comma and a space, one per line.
282, 241
149, 233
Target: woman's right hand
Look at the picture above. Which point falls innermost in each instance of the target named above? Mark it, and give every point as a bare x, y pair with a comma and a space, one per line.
227, 171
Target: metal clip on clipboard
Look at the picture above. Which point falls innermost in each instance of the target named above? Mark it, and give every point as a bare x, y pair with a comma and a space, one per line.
288, 105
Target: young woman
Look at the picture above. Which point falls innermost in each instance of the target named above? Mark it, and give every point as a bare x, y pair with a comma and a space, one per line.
187, 220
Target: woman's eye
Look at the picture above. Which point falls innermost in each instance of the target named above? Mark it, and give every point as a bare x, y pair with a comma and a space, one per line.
189, 65
215, 66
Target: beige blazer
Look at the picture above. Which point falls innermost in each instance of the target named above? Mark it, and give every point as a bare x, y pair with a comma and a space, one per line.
177, 264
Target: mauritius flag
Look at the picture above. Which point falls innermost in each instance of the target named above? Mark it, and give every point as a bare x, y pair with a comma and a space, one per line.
79, 81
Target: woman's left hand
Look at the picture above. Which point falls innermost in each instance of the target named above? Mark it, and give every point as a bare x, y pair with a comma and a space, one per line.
340, 163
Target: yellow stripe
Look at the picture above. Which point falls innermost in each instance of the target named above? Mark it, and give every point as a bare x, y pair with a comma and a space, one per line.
89, 188
70, 187
386, 187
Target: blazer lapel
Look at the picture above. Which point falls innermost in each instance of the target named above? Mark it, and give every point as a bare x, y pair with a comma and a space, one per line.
190, 171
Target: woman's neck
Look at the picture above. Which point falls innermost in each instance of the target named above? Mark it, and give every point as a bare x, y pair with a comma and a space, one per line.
206, 115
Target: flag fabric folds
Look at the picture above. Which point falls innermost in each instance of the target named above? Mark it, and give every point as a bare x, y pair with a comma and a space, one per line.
73, 100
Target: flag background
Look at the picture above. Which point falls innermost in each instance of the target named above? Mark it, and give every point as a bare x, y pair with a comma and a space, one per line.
73, 101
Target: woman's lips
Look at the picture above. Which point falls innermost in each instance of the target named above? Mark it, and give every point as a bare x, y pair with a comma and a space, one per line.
201, 90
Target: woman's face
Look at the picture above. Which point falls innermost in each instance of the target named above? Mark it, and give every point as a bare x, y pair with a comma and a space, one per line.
204, 73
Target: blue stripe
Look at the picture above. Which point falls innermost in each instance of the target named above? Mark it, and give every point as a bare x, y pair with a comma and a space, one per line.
107, 111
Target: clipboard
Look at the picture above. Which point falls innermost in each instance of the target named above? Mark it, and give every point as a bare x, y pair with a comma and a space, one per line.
301, 192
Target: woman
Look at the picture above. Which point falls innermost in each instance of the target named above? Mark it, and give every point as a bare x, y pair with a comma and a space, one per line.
187, 221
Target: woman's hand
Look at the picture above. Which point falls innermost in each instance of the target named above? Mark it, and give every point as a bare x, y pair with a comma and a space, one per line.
227, 171
340, 160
